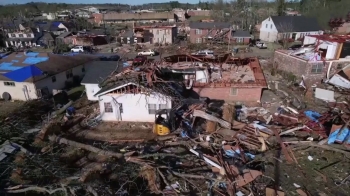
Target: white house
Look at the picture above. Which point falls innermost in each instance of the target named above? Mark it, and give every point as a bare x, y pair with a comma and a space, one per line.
276, 28
31, 75
130, 102
97, 72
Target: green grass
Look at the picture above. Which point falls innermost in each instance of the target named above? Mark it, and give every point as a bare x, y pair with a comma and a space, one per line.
76, 92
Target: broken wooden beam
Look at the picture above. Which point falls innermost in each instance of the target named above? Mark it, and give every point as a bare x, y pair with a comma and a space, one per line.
202, 114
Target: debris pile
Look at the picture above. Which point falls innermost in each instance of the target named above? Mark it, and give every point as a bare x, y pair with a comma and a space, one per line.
203, 147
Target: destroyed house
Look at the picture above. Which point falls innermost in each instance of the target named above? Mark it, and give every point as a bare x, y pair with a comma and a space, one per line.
127, 97
321, 57
31, 75
222, 78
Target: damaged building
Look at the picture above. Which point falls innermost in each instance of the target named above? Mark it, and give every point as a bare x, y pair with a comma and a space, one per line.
222, 77
318, 60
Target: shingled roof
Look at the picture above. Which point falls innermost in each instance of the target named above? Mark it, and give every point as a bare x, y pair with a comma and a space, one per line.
209, 25
295, 24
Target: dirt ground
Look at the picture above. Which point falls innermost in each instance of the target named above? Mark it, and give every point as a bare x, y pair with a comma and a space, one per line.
122, 131
6, 107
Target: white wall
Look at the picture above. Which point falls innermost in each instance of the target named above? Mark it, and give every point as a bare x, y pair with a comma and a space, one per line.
309, 40
163, 35
91, 90
61, 78
22, 91
268, 31
135, 106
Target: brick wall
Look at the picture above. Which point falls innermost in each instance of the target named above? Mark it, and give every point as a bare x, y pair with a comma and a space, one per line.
194, 36
300, 67
245, 95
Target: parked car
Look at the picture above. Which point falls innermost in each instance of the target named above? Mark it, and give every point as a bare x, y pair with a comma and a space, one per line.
147, 53
261, 45
77, 49
295, 46
204, 53
140, 59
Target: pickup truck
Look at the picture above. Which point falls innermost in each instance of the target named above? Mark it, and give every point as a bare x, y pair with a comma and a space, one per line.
261, 45
77, 49
147, 53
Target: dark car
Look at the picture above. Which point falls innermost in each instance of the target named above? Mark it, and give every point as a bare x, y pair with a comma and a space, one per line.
140, 59
295, 46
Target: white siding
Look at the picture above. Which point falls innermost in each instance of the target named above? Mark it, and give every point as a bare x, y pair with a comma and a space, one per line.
91, 90
22, 91
61, 79
135, 106
268, 31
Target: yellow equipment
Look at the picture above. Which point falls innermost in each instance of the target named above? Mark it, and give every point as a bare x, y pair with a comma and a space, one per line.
161, 124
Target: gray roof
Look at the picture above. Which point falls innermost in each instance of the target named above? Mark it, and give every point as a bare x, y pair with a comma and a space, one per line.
128, 33
63, 35
209, 25
97, 71
295, 24
240, 33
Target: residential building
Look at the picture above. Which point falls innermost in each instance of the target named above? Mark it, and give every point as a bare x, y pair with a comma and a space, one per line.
98, 72
64, 38
20, 38
88, 40
149, 17
321, 57
163, 34
90, 9
127, 101
200, 32
230, 79
31, 75
276, 28
240, 37
47, 40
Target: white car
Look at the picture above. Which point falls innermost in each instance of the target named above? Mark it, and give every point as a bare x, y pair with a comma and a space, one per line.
77, 49
146, 53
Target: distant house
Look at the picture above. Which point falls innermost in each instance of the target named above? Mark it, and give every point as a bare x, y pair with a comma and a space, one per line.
98, 72
47, 40
25, 76
242, 37
160, 34
126, 37
126, 101
200, 32
64, 38
276, 28
149, 17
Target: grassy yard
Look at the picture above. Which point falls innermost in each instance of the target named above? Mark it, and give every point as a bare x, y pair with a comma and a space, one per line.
76, 92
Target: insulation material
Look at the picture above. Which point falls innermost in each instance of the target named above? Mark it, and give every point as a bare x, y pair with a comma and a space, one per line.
337, 80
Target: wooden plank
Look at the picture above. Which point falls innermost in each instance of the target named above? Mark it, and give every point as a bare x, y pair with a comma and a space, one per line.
202, 114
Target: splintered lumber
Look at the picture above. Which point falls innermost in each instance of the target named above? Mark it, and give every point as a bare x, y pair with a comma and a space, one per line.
211, 126
90, 148
228, 112
90, 170
202, 114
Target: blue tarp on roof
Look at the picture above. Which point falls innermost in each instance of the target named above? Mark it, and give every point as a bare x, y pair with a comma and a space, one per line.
55, 24
21, 75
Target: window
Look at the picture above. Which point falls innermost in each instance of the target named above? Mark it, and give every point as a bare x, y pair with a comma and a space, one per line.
233, 92
13, 35
157, 32
199, 40
20, 35
269, 19
317, 68
198, 31
240, 40
108, 107
121, 110
69, 74
168, 31
9, 84
266, 25
29, 35
270, 26
53, 78
163, 106
152, 108
83, 69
